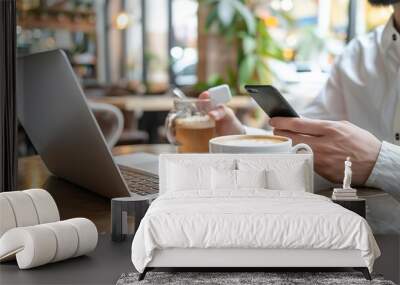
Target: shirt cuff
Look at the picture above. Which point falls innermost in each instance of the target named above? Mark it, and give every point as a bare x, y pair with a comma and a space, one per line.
256, 131
385, 174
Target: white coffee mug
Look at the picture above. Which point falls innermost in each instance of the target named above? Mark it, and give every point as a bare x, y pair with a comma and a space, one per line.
256, 144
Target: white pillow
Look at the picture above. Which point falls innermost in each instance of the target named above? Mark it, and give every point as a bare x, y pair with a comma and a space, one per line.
193, 173
230, 180
183, 177
251, 179
290, 179
281, 173
223, 179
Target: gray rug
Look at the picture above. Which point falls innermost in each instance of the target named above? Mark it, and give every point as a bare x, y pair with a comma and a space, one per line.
269, 278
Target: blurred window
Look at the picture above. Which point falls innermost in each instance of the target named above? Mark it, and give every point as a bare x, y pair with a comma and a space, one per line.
375, 16
134, 43
314, 32
183, 49
69, 25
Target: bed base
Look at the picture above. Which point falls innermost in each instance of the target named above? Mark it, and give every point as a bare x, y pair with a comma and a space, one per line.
363, 270
242, 260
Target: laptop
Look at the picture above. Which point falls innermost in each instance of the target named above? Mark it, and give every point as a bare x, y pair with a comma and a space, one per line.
52, 108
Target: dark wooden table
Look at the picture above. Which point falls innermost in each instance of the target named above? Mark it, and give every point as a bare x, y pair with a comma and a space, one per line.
72, 200
108, 261
359, 205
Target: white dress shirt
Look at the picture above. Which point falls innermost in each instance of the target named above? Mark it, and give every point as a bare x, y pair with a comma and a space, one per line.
364, 89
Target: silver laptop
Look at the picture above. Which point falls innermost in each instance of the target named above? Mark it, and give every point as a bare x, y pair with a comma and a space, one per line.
52, 109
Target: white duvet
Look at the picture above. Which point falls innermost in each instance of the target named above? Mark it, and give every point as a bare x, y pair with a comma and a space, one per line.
250, 219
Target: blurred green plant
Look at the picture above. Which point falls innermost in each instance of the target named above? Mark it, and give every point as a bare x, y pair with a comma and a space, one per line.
237, 23
212, 80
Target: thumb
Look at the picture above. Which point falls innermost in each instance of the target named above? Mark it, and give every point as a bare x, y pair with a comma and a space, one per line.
204, 95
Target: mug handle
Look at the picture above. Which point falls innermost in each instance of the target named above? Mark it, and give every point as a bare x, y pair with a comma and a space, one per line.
302, 148
170, 128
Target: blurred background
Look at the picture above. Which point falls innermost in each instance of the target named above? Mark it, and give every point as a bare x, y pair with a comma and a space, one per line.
128, 54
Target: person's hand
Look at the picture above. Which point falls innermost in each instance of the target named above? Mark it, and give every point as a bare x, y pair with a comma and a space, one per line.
226, 121
331, 143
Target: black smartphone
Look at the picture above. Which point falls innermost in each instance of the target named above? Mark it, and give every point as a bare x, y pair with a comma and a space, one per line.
271, 101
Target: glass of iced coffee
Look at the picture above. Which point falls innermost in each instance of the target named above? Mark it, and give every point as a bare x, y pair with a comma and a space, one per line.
189, 126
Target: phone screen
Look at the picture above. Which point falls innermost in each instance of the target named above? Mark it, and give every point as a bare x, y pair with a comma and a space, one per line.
271, 101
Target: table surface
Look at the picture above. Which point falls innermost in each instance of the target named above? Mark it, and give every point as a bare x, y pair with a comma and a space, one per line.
109, 260
104, 265
74, 201
160, 102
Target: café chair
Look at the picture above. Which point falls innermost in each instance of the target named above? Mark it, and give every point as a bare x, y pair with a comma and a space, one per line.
110, 120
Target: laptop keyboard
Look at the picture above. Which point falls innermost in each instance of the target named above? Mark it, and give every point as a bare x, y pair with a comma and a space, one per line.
139, 182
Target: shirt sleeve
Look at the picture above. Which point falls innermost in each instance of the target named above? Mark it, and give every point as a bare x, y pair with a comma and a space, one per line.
330, 103
386, 172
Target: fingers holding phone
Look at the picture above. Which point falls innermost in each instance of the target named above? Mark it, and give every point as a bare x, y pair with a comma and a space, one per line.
271, 101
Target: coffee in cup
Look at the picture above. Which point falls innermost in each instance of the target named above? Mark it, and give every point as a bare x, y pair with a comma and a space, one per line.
188, 125
193, 133
255, 144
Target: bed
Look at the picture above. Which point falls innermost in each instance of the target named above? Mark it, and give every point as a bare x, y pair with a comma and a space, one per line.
247, 211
